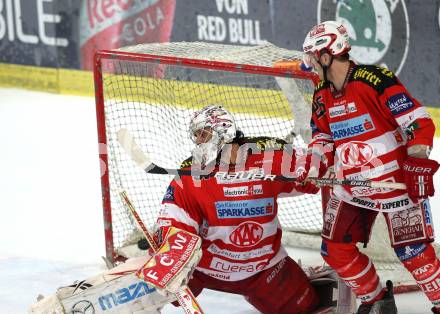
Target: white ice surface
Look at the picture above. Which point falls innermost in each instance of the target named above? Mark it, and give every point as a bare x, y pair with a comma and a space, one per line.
51, 225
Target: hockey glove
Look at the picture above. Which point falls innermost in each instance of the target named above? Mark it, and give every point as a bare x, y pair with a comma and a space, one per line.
170, 268
307, 187
419, 173
315, 163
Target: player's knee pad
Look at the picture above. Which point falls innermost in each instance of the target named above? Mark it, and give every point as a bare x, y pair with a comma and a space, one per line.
304, 301
303, 297
283, 289
337, 254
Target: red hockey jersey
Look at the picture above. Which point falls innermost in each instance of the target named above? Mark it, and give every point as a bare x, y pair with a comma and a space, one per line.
235, 213
370, 123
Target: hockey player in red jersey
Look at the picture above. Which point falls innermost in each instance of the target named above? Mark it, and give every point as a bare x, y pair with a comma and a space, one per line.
235, 214
367, 125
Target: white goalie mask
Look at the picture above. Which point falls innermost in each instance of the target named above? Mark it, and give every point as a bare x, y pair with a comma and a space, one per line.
210, 129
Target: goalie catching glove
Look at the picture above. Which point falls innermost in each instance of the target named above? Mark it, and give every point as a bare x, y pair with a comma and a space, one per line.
171, 266
419, 173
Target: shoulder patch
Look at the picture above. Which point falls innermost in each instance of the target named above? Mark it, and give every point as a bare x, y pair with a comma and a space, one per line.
400, 103
266, 143
376, 77
186, 163
321, 85
169, 195
318, 107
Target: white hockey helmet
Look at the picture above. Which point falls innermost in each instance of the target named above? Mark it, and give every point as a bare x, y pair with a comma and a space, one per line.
330, 36
221, 128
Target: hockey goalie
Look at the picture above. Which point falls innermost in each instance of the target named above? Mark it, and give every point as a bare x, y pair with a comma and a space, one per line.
231, 219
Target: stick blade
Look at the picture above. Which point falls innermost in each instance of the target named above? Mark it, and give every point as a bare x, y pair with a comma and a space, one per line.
130, 146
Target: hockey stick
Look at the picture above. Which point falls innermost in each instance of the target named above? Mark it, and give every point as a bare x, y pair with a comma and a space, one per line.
184, 296
142, 160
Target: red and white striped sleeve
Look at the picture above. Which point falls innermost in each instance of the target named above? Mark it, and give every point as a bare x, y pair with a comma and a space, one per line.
178, 209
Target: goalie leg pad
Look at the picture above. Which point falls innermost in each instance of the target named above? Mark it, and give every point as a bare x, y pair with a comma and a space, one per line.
420, 260
355, 268
115, 291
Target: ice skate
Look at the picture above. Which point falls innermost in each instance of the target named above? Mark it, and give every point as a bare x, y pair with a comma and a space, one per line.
386, 305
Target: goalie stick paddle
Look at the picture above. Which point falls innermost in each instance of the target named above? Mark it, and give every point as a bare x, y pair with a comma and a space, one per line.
184, 296
142, 160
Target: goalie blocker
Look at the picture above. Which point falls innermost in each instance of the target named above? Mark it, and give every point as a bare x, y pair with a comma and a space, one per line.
172, 264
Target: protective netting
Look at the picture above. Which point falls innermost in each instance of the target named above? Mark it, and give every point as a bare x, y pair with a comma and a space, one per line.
264, 55
154, 101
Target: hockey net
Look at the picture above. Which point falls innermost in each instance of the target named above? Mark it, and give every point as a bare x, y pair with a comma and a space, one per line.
152, 90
